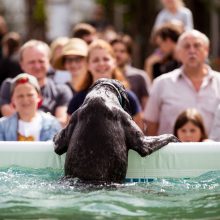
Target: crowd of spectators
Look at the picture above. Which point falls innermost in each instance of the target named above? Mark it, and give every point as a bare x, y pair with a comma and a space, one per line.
176, 92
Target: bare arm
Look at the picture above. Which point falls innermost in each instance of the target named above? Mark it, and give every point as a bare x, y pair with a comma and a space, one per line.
149, 63
61, 115
144, 101
7, 110
152, 128
138, 119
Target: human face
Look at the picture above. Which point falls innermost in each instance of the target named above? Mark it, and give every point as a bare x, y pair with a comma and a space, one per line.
189, 133
122, 56
76, 65
192, 52
170, 4
25, 99
35, 61
166, 46
101, 64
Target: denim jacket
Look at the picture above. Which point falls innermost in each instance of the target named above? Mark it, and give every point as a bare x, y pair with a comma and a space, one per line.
9, 125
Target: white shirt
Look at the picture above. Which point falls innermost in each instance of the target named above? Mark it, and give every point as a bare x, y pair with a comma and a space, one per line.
173, 92
183, 15
62, 76
30, 129
215, 131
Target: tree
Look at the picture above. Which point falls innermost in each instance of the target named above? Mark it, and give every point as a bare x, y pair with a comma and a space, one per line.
36, 19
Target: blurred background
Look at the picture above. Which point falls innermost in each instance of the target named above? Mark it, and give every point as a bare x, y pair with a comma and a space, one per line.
49, 19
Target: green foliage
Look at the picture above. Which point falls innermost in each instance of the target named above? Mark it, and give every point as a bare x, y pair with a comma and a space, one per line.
211, 5
39, 14
128, 16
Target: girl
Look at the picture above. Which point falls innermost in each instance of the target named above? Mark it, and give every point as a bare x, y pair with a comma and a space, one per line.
189, 126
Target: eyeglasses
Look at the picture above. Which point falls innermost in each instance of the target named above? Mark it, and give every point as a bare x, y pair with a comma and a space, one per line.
76, 59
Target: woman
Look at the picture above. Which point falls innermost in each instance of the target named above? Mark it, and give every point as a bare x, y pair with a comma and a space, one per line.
73, 59
101, 63
27, 124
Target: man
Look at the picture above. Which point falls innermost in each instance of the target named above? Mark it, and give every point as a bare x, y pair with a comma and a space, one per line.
34, 59
193, 85
137, 78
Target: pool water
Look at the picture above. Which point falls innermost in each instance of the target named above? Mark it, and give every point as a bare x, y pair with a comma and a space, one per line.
39, 194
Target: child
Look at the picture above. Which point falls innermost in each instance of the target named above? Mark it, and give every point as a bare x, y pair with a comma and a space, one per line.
175, 11
27, 123
189, 126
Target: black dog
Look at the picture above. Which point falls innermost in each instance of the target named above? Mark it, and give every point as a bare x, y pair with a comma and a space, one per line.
99, 135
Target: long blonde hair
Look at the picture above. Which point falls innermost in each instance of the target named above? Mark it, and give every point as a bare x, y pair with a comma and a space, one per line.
86, 80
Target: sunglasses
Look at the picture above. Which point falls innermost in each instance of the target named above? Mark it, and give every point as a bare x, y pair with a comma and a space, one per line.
76, 59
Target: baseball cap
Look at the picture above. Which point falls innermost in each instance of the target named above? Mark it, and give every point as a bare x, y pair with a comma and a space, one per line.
24, 78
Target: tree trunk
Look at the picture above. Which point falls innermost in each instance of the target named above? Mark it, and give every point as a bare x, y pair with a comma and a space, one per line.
36, 19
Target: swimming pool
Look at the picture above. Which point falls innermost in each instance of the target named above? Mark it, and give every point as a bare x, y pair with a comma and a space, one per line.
174, 160
38, 194
30, 186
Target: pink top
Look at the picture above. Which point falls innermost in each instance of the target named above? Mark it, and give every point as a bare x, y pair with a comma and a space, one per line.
173, 92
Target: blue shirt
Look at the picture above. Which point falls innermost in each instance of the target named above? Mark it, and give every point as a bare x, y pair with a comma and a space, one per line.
79, 97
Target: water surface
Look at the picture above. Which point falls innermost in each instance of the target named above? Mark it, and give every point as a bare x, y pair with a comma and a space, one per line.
39, 194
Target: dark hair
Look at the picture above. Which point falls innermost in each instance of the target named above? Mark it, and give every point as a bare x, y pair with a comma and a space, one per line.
167, 31
191, 115
126, 40
12, 41
83, 29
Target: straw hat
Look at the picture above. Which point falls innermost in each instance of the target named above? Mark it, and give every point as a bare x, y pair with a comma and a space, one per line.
75, 46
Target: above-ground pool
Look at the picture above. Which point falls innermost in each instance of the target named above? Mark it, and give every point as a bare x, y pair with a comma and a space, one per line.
39, 194
180, 181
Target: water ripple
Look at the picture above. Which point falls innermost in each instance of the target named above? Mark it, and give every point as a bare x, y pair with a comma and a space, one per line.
34, 194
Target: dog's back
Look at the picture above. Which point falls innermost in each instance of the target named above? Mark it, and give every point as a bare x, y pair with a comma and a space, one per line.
97, 150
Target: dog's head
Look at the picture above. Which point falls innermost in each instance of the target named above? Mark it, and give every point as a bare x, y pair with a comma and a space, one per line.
119, 91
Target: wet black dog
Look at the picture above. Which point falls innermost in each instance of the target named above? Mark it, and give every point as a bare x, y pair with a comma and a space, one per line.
99, 135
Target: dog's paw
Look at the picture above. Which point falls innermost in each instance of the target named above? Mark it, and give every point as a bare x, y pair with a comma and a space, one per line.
173, 138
